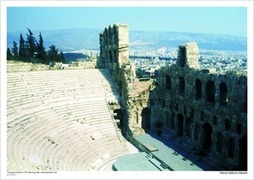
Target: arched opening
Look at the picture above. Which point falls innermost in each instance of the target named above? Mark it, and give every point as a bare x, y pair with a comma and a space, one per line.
187, 127
223, 94
227, 125
210, 91
239, 128
196, 132
231, 148
181, 86
198, 88
172, 120
118, 114
146, 119
219, 144
243, 154
180, 124
166, 119
168, 82
215, 120
207, 136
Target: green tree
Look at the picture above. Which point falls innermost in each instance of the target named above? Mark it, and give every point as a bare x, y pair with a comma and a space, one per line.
15, 49
41, 53
53, 54
9, 55
61, 56
31, 42
23, 53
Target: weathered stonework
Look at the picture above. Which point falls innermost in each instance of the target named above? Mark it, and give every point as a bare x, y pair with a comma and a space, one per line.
203, 111
206, 112
188, 55
114, 54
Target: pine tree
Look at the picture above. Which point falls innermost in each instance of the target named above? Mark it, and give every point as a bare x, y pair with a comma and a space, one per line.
9, 55
22, 48
15, 49
31, 42
41, 50
61, 56
53, 54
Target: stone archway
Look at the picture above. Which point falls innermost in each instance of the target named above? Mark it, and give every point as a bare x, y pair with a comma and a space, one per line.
119, 115
223, 94
198, 89
187, 127
219, 144
181, 86
207, 136
180, 124
243, 154
210, 91
146, 119
231, 148
196, 131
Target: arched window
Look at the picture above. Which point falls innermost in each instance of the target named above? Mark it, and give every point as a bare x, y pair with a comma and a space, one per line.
196, 132
180, 124
231, 148
215, 120
172, 120
243, 154
181, 86
227, 125
207, 136
166, 120
146, 119
223, 94
210, 91
219, 144
198, 88
188, 127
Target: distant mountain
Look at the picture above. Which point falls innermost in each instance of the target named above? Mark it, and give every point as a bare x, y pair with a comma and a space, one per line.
65, 40
174, 39
76, 39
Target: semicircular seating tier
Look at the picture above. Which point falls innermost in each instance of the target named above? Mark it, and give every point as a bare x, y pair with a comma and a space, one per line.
61, 120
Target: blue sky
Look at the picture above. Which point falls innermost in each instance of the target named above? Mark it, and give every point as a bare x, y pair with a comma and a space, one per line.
219, 20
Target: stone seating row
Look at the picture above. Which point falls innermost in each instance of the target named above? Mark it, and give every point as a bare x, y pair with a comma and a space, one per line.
30, 138
45, 92
31, 145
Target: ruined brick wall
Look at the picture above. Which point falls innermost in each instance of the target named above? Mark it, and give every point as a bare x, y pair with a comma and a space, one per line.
114, 46
114, 55
205, 111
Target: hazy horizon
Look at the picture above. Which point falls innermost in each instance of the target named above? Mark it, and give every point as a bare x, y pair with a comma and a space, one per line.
210, 20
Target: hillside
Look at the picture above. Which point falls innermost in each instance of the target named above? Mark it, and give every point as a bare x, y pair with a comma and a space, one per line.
75, 39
